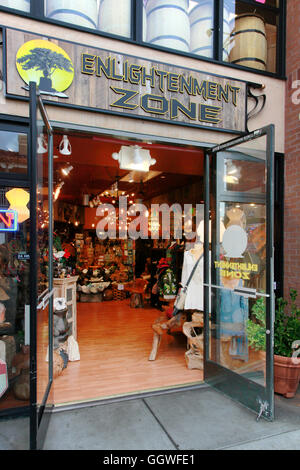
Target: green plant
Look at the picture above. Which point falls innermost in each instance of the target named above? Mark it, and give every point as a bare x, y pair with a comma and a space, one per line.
256, 330
286, 326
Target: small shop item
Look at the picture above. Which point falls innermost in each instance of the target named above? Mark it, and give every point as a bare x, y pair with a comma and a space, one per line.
73, 349
194, 355
166, 283
2, 313
60, 305
3, 378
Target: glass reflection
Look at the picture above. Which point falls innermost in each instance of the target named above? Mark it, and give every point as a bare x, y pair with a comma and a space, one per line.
23, 5
14, 303
240, 262
13, 152
110, 16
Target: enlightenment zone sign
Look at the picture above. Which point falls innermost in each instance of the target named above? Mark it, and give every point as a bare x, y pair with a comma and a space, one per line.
111, 82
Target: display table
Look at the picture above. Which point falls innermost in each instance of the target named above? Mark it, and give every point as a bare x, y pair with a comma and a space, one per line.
66, 288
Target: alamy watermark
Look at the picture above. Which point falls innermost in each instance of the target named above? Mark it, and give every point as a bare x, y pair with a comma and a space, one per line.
139, 221
296, 93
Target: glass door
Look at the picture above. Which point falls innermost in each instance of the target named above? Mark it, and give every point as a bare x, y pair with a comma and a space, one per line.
41, 276
238, 279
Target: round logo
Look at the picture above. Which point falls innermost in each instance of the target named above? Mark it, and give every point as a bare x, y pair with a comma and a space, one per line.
46, 64
235, 241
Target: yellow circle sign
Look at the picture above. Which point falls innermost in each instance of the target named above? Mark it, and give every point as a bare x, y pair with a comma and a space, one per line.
46, 64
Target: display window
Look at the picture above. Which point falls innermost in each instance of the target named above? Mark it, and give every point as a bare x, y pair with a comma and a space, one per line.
14, 297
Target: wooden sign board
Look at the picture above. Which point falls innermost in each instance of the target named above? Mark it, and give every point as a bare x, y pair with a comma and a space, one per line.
115, 83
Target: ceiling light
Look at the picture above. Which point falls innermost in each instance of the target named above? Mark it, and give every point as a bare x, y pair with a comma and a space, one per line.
134, 158
67, 170
65, 146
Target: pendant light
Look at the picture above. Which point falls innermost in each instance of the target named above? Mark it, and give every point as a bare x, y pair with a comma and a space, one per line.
18, 199
42, 144
65, 146
134, 157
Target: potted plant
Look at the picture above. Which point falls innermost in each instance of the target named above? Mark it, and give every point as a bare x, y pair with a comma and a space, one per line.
286, 335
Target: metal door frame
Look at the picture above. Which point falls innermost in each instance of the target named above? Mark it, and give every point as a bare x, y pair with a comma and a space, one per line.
230, 383
39, 416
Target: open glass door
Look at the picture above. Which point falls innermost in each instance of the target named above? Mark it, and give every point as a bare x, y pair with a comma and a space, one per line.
238, 277
41, 275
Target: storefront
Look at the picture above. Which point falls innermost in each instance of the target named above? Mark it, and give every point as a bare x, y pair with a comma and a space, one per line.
130, 140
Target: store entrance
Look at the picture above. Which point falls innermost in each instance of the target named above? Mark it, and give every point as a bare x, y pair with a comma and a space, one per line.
128, 229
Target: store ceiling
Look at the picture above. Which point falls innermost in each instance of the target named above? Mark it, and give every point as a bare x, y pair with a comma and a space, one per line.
94, 169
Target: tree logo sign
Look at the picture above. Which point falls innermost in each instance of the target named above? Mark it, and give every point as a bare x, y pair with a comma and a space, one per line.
46, 64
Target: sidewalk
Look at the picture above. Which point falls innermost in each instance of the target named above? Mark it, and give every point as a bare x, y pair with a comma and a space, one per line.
200, 419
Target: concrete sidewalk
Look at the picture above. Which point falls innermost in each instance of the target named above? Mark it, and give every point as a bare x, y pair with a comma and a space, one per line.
200, 419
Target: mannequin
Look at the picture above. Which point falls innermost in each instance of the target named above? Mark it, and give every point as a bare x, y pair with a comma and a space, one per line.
194, 296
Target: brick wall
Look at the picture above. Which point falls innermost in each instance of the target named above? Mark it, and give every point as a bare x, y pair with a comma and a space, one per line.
292, 152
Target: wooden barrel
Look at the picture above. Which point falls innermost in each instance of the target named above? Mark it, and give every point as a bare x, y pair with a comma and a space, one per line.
77, 12
115, 17
248, 42
202, 23
168, 24
23, 5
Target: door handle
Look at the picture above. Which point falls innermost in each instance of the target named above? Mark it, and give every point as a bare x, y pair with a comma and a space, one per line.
43, 304
244, 291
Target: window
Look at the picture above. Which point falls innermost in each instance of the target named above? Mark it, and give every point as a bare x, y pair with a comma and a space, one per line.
109, 16
250, 35
13, 152
23, 5
14, 294
180, 24
244, 33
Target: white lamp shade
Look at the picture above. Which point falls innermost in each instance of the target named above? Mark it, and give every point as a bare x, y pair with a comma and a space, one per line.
134, 158
42, 144
65, 146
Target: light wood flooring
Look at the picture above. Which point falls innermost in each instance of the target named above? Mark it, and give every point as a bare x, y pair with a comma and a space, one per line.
115, 342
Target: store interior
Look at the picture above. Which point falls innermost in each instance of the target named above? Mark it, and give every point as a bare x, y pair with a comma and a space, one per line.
123, 284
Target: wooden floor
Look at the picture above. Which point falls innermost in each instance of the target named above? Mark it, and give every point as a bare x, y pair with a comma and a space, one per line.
115, 342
